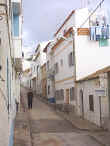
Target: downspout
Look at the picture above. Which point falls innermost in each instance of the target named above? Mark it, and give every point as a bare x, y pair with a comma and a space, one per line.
74, 69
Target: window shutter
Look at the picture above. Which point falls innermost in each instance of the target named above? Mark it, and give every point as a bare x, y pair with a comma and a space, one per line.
72, 58
69, 59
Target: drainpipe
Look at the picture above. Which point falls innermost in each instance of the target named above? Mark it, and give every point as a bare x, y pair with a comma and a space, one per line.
74, 68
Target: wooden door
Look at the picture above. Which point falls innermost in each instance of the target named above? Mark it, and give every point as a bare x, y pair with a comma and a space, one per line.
67, 96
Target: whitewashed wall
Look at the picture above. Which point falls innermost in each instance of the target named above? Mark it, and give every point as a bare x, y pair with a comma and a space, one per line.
88, 88
76, 20
89, 56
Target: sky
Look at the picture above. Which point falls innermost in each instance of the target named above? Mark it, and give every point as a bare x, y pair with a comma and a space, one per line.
42, 18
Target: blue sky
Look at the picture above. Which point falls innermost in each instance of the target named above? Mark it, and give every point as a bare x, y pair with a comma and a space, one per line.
43, 17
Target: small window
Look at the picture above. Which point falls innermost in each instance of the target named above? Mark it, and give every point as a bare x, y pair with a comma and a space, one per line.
70, 59
56, 68
91, 103
71, 34
61, 62
47, 65
48, 90
37, 69
72, 93
15, 25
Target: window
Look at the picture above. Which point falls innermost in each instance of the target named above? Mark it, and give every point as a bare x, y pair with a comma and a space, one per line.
61, 62
91, 103
56, 68
59, 94
16, 25
47, 65
48, 89
62, 94
37, 69
34, 68
30, 83
71, 34
72, 93
70, 59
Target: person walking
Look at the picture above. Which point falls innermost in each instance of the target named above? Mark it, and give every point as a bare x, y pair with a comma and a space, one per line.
30, 99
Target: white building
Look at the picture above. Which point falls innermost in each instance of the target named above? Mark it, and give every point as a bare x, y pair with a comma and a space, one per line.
50, 71
39, 58
26, 78
61, 58
93, 97
10, 68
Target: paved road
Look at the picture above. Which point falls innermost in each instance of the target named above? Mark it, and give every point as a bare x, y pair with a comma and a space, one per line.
49, 129
46, 128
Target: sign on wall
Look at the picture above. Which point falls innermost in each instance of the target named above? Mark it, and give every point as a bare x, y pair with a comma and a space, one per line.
100, 92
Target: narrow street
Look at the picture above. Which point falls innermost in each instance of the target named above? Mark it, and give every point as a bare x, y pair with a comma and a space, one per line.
43, 127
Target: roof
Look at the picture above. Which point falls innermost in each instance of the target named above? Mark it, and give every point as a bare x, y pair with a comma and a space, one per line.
45, 49
37, 47
61, 40
65, 22
95, 74
35, 56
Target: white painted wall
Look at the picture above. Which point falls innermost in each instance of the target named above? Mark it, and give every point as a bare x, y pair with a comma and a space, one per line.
17, 48
89, 56
88, 88
62, 52
39, 61
76, 20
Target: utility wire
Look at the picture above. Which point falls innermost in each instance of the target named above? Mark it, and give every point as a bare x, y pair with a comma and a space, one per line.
99, 5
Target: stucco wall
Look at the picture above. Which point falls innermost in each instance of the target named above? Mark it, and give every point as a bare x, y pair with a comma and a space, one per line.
89, 56
88, 88
76, 20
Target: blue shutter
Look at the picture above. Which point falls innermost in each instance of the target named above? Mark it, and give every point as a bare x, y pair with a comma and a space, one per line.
16, 25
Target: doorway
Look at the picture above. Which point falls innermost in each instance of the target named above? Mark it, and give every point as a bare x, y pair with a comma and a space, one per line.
81, 104
100, 110
67, 96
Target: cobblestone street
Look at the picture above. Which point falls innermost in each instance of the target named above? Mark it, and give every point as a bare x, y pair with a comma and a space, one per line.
43, 127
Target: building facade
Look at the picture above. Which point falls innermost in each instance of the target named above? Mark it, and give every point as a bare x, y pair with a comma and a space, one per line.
61, 61
93, 99
11, 68
44, 80
39, 58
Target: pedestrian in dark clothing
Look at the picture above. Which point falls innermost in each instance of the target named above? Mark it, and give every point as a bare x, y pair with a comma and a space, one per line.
30, 99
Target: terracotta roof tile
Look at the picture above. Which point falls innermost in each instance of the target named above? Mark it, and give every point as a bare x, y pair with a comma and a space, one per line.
65, 22
96, 74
